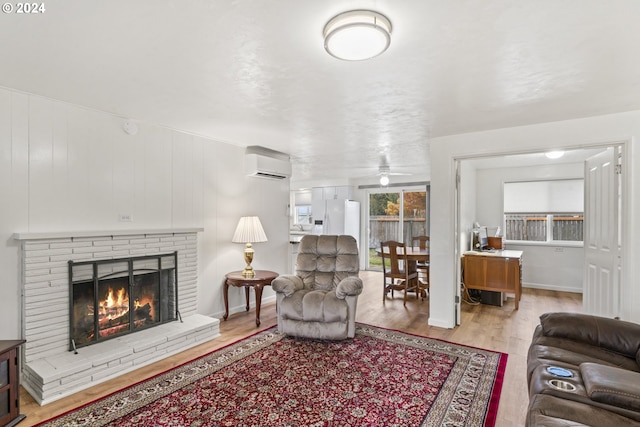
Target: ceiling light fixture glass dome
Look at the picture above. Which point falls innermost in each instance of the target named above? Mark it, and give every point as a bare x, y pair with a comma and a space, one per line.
357, 35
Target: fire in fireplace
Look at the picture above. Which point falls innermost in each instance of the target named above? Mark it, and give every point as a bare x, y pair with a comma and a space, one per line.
110, 298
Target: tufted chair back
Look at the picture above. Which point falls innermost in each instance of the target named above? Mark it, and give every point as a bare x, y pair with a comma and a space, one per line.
323, 261
320, 300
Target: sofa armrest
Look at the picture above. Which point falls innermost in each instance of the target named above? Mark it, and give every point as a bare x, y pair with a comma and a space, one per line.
614, 335
287, 284
611, 385
349, 286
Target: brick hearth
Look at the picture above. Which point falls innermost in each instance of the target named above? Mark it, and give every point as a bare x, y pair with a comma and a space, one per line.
49, 370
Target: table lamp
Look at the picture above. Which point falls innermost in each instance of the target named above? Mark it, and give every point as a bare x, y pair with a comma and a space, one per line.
249, 230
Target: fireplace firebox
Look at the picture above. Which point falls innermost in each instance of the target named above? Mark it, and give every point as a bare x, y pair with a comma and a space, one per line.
110, 298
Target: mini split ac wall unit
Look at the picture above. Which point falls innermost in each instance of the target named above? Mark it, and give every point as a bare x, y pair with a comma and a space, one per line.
260, 166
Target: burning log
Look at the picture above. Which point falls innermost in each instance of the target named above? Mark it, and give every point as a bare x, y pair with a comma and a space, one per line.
113, 331
105, 322
143, 312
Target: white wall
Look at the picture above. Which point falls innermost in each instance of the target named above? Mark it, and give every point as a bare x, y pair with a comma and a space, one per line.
469, 198
554, 267
68, 168
555, 135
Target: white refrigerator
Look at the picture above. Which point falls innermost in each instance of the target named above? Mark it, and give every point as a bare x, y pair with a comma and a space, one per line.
337, 216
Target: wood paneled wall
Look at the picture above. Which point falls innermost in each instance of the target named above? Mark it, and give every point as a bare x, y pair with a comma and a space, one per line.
69, 168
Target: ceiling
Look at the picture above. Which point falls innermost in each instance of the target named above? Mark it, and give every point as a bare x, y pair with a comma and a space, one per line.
579, 155
252, 72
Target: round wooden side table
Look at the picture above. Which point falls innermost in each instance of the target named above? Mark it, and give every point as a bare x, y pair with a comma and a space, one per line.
261, 279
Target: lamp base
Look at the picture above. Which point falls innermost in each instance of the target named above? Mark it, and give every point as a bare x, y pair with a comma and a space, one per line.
248, 272
248, 257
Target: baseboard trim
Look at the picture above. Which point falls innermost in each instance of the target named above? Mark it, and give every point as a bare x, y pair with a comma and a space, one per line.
551, 287
241, 307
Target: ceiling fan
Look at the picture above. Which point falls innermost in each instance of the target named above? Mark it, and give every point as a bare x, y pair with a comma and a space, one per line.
384, 171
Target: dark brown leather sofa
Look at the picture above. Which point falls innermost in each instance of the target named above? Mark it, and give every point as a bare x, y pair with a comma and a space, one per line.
584, 370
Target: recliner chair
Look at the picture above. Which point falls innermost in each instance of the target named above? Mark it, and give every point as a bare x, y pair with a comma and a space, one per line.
320, 300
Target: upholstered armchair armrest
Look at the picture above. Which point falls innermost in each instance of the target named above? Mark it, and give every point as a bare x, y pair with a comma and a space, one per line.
611, 385
287, 284
349, 286
614, 335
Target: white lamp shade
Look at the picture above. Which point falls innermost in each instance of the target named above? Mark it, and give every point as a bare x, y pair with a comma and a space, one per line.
357, 35
249, 230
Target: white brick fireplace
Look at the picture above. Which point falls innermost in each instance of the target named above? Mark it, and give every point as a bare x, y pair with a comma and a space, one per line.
49, 370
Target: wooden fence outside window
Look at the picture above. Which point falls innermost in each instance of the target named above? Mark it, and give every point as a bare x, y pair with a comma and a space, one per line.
533, 227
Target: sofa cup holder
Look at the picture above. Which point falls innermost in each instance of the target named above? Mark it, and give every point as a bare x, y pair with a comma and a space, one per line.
562, 385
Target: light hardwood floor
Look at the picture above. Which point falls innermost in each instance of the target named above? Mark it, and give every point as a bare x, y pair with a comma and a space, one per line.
501, 329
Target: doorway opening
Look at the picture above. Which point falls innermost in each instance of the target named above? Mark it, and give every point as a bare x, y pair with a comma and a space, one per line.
480, 199
398, 215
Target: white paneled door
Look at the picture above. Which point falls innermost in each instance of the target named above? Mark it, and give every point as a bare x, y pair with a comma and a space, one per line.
601, 238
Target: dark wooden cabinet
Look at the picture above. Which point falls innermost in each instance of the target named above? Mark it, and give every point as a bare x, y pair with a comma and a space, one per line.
10, 383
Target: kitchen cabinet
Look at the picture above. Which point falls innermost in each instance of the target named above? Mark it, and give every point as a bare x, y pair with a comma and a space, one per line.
341, 192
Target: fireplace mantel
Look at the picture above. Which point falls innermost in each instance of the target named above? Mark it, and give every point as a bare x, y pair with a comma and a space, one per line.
101, 233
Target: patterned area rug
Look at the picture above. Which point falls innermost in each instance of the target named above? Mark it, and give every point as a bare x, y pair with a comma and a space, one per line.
380, 378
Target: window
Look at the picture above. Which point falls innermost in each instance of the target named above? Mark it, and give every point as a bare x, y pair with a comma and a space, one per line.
544, 211
303, 215
302, 212
543, 228
567, 227
396, 215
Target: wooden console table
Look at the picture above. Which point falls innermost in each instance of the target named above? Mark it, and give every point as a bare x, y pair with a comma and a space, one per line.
499, 271
261, 279
10, 383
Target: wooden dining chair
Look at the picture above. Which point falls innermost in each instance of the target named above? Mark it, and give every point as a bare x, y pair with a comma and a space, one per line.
422, 242
396, 270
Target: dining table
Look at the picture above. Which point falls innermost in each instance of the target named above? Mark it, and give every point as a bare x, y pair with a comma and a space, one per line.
415, 255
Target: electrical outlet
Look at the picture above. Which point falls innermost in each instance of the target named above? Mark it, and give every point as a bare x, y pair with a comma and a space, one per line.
125, 217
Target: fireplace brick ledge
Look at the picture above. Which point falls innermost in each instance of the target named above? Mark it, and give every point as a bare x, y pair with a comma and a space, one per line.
53, 378
101, 233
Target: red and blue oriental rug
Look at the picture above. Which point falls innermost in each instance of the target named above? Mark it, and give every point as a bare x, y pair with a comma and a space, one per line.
379, 378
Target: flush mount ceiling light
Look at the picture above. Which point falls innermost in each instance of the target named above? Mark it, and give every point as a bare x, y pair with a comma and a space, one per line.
554, 154
357, 35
